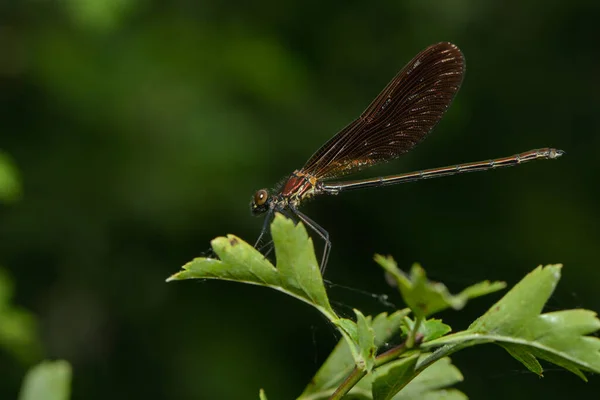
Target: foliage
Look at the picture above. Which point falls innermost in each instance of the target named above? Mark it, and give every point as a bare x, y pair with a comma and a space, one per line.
419, 366
142, 128
18, 330
10, 185
49, 380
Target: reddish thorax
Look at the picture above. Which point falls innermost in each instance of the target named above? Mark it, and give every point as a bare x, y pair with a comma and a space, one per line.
299, 186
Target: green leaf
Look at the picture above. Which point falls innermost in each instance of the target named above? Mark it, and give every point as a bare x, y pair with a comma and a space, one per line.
49, 380
98, 15
413, 378
18, 330
340, 362
296, 261
262, 395
366, 341
430, 329
525, 357
386, 326
558, 337
334, 370
516, 323
391, 378
297, 272
10, 185
425, 297
433, 382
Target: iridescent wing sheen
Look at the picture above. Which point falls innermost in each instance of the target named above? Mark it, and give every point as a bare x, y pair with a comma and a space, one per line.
399, 118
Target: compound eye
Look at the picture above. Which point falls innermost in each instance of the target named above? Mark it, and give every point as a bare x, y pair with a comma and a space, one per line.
260, 197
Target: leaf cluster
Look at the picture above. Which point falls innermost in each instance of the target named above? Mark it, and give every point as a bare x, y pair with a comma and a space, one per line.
420, 366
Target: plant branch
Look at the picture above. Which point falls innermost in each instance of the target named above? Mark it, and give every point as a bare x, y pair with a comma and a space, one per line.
357, 373
351, 380
411, 341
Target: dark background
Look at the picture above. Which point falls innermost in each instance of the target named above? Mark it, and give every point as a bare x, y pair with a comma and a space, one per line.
142, 128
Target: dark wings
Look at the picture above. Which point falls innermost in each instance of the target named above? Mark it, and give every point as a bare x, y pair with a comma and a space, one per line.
400, 117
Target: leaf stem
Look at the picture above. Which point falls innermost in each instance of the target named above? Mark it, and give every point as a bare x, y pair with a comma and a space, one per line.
411, 340
391, 354
350, 381
358, 373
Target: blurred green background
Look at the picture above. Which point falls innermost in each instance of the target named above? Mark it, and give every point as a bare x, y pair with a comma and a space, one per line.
142, 128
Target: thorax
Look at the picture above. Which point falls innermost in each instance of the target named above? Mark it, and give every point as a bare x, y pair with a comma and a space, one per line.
298, 187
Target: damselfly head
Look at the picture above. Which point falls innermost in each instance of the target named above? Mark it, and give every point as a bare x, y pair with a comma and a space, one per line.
260, 202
